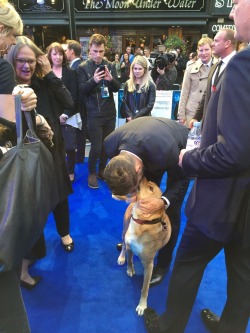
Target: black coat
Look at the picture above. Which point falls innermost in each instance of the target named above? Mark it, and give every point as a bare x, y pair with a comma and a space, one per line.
90, 91
69, 79
52, 99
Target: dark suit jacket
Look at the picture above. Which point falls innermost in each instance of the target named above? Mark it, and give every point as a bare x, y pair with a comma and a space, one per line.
76, 64
206, 96
219, 202
157, 141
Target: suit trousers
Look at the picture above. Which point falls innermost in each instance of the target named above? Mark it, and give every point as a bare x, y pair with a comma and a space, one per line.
13, 317
194, 253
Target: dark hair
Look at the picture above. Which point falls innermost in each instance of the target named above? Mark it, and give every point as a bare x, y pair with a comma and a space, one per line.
75, 46
120, 175
97, 39
58, 47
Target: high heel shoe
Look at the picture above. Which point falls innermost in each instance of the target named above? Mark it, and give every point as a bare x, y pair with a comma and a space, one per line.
28, 285
68, 247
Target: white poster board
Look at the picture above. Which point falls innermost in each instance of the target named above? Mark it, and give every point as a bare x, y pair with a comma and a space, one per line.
163, 104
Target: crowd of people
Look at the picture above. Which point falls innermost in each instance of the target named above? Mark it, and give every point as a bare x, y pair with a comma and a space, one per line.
73, 100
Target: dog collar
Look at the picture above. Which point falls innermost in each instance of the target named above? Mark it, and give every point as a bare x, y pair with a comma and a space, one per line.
155, 221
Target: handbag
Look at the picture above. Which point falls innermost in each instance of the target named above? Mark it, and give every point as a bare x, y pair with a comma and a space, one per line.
28, 193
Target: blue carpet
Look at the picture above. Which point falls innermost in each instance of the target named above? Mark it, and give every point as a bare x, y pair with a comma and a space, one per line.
86, 291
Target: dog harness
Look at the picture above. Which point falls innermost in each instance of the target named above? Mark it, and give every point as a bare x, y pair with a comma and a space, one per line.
155, 221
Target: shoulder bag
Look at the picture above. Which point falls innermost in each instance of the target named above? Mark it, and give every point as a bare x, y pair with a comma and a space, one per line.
28, 193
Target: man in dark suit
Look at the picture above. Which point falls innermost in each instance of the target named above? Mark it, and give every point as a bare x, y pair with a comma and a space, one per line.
223, 47
151, 146
219, 204
73, 53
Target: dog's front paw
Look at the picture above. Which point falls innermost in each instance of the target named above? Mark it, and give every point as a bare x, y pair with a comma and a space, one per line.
140, 308
121, 259
131, 271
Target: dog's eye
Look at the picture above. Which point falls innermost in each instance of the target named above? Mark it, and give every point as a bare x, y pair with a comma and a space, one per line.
151, 188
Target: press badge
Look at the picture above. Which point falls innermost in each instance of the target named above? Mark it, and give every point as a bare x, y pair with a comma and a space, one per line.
104, 92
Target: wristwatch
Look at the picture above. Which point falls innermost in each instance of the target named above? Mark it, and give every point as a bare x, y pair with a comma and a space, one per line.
166, 203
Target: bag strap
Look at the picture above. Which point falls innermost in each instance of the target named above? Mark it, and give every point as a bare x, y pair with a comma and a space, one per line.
19, 123
29, 121
19, 126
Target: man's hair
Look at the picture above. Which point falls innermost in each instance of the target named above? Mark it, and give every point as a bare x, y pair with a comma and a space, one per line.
204, 40
229, 35
75, 46
97, 39
120, 174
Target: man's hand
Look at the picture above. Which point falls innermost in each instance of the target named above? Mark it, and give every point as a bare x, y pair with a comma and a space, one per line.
181, 156
108, 75
28, 98
192, 121
150, 206
182, 121
99, 75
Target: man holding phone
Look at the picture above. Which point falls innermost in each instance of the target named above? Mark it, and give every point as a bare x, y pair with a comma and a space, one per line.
97, 81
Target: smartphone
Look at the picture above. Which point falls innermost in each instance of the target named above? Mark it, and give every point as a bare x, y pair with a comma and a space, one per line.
101, 68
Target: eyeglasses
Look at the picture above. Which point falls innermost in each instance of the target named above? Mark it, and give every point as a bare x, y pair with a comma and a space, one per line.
22, 61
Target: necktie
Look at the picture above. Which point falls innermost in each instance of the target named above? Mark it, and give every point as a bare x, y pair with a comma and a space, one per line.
216, 78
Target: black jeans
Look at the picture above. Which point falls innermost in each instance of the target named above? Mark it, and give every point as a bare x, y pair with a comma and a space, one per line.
194, 253
98, 129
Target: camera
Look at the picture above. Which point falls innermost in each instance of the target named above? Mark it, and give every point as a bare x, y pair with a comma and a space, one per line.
101, 68
164, 60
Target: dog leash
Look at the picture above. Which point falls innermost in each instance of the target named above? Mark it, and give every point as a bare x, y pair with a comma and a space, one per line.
155, 221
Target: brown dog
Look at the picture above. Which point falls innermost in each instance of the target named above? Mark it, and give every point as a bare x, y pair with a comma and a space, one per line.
144, 236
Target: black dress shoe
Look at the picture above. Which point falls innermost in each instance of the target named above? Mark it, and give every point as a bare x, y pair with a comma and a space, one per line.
68, 247
28, 285
210, 319
119, 247
158, 275
151, 320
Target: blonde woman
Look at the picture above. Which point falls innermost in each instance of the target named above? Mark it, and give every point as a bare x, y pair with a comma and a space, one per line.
139, 91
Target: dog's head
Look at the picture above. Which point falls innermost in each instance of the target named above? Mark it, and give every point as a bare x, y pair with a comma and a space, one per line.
148, 189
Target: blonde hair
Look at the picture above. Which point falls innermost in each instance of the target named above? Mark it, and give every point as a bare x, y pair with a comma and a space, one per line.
9, 18
205, 40
142, 61
21, 42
